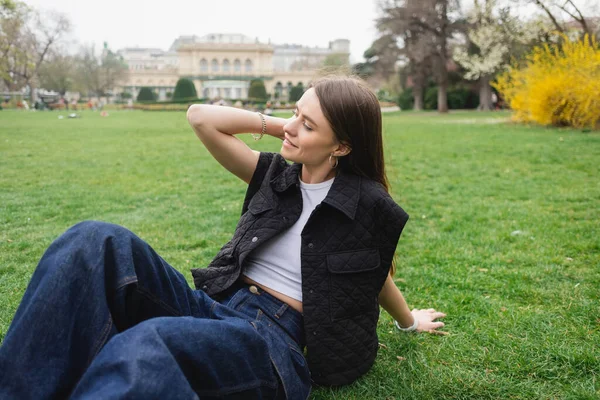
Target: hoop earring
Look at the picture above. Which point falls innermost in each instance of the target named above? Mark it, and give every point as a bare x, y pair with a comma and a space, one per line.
336, 161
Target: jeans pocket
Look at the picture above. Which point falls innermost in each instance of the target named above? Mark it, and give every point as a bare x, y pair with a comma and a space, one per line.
238, 300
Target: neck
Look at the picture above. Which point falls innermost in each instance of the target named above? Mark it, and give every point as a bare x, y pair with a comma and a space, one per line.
318, 174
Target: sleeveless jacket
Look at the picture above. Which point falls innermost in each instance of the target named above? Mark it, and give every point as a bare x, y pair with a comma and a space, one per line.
347, 247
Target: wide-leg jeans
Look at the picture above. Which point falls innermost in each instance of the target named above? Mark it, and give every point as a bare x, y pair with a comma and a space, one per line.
104, 316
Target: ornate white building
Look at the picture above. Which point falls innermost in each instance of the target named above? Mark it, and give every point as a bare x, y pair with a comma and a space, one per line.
222, 65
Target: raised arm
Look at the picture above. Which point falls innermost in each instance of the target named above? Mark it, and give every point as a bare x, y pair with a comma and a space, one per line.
216, 126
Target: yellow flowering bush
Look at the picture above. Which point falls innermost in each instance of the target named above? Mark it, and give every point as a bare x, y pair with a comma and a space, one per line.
556, 86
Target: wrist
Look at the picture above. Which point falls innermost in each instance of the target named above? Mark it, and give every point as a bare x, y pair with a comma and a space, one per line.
275, 126
410, 328
263, 131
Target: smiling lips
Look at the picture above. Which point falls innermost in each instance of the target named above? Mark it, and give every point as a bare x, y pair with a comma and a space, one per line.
288, 142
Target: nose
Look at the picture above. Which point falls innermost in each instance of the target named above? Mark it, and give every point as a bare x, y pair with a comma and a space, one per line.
291, 127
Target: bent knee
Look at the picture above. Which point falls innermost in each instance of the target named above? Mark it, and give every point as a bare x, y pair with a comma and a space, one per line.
88, 242
92, 233
92, 228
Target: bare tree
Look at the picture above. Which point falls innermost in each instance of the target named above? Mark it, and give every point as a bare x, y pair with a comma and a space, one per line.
26, 40
557, 9
438, 21
398, 23
423, 27
99, 74
383, 55
58, 72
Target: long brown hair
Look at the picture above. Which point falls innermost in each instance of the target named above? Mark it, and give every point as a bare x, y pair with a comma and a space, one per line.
354, 114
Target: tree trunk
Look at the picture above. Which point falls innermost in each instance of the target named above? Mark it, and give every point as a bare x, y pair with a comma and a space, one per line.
485, 94
32, 92
443, 35
418, 97
443, 97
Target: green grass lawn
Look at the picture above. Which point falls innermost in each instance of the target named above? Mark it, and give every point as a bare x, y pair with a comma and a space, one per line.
504, 236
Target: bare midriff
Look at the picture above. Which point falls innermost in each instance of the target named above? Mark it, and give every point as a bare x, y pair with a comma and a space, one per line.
295, 304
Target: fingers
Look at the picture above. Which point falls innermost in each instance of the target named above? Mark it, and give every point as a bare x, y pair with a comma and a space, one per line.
433, 328
441, 333
431, 312
439, 313
430, 326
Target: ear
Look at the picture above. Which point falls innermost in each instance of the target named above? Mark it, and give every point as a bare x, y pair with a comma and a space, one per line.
343, 149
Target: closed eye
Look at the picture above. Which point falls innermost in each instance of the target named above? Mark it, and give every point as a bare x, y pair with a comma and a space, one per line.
295, 113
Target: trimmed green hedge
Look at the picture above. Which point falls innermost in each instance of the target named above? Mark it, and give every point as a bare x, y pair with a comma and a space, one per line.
257, 90
184, 89
146, 95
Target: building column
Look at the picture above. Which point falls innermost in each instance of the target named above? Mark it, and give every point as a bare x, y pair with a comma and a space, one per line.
198, 86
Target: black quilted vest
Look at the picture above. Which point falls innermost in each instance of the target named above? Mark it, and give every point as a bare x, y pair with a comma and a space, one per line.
347, 248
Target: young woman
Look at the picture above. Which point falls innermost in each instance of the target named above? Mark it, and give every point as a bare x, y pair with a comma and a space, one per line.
306, 269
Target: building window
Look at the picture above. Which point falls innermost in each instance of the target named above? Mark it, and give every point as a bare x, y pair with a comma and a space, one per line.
278, 90
227, 93
225, 65
248, 66
237, 65
203, 65
214, 65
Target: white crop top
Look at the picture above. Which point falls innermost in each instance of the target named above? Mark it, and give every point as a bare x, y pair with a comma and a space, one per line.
276, 263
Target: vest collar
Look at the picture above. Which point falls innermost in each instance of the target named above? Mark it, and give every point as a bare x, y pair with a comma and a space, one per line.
343, 195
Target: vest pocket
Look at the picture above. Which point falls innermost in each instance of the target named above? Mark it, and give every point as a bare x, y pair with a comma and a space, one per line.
351, 286
259, 203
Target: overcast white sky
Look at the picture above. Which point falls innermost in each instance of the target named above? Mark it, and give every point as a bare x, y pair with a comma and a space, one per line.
148, 23
130, 23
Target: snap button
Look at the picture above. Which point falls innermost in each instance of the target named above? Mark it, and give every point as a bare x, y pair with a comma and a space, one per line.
204, 287
315, 333
311, 291
254, 239
310, 245
253, 289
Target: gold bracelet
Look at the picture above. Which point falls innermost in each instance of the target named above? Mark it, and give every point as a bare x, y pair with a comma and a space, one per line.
257, 136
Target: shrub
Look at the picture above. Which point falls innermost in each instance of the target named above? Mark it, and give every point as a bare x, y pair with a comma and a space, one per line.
458, 97
556, 85
430, 98
146, 94
184, 89
406, 100
385, 95
296, 92
186, 101
257, 90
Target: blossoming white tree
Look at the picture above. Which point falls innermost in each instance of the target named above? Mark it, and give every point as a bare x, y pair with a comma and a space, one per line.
487, 48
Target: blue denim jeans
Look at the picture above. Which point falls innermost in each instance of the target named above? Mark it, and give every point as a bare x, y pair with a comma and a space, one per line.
104, 316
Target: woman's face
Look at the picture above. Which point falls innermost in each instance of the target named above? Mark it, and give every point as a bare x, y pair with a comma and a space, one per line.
309, 139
